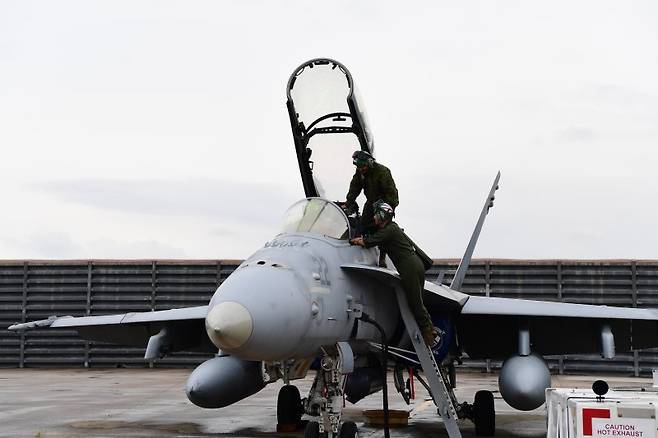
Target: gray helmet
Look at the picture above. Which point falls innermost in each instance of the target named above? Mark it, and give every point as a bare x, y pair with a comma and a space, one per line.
383, 211
362, 158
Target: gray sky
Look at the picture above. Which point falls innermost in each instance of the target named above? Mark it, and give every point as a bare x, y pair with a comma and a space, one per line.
158, 129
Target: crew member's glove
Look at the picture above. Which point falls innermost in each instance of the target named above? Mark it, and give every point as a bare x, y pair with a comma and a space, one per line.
357, 241
351, 208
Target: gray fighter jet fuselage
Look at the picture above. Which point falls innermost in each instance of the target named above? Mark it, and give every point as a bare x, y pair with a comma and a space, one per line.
302, 299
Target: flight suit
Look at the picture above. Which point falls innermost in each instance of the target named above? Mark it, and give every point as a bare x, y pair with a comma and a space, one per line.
409, 265
376, 183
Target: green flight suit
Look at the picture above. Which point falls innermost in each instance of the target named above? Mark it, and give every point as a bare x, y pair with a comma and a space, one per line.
376, 183
409, 265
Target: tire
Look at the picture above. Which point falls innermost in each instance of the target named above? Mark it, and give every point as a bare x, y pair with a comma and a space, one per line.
312, 430
348, 430
288, 405
452, 376
484, 414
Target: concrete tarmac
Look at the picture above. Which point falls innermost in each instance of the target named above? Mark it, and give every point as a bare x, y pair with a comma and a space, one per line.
152, 403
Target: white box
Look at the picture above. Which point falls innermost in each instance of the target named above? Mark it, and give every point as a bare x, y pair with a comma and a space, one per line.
576, 413
655, 378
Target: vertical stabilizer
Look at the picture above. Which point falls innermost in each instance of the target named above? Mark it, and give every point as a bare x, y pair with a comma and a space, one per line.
466, 260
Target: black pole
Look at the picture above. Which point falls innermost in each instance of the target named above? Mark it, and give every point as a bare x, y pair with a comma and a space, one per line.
366, 318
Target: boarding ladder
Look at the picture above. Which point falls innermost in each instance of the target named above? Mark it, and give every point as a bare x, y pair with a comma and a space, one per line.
436, 378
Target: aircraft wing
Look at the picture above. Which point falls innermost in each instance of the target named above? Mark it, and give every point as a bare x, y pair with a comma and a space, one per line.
435, 296
185, 328
488, 327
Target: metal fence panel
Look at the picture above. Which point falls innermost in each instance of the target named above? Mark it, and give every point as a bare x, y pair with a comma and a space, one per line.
12, 303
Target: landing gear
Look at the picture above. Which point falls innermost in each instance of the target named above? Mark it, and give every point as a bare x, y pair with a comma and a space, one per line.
484, 414
289, 407
325, 399
452, 376
349, 430
312, 430
481, 412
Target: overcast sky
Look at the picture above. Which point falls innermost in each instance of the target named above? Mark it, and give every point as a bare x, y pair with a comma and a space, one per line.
158, 129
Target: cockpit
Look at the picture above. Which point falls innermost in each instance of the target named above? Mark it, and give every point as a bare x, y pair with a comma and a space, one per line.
318, 216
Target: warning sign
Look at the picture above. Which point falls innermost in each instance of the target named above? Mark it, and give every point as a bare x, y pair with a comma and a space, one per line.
589, 414
623, 428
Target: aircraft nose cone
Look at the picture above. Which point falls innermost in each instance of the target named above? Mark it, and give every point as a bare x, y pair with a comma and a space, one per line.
268, 314
229, 325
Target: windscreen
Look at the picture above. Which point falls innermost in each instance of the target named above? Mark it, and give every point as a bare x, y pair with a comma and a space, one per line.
316, 216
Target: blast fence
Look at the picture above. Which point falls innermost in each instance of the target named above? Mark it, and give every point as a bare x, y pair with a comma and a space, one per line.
31, 290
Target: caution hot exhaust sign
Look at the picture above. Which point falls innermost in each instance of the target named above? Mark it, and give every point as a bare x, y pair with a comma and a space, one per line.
624, 428
616, 419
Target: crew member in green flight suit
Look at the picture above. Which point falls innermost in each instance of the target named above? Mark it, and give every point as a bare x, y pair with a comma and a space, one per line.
377, 184
410, 261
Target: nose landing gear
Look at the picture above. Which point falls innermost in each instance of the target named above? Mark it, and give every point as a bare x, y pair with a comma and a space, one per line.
347, 430
312, 430
325, 399
289, 409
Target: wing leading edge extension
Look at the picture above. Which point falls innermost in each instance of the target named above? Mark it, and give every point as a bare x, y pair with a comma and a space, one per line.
435, 296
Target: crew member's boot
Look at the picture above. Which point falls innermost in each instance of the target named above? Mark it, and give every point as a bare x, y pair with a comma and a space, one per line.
431, 336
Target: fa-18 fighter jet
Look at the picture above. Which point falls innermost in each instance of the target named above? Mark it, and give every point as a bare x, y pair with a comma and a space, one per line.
309, 302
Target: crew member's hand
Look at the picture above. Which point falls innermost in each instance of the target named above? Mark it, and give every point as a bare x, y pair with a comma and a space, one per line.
349, 208
357, 241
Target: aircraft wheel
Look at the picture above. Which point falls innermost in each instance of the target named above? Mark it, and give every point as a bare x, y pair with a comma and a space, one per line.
452, 376
484, 414
312, 430
349, 430
289, 405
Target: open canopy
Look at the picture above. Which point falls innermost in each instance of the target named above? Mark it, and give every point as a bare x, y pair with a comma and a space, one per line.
328, 124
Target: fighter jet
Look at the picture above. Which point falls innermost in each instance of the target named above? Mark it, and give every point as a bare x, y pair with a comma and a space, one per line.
308, 301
